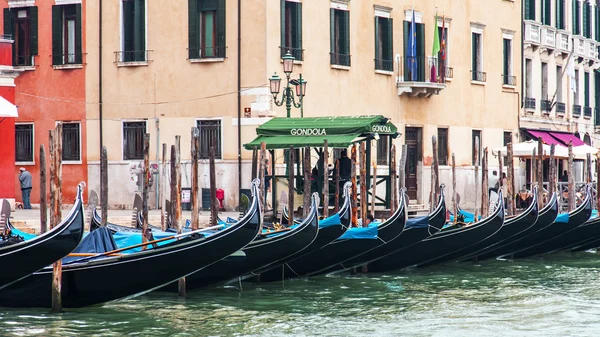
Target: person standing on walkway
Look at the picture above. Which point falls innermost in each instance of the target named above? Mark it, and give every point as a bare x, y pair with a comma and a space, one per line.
25, 180
345, 165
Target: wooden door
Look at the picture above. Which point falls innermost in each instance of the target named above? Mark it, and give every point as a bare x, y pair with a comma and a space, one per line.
413, 145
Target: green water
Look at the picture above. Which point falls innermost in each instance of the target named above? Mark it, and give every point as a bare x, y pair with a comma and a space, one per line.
558, 295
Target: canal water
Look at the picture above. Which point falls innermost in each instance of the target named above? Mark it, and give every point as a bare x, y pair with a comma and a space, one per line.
558, 295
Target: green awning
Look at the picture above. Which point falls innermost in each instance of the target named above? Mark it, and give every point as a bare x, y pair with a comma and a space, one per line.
281, 133
284, 142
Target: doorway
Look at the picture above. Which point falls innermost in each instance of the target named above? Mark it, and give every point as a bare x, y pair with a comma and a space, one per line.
413, 158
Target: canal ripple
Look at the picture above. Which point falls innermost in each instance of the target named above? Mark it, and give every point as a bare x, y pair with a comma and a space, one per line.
558, 295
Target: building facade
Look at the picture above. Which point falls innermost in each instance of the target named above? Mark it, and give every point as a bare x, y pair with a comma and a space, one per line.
49, 50
170, 65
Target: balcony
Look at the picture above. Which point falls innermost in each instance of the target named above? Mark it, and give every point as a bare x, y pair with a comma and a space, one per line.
478, 76
132, 57
545, 106
597, 118
579, 50
576, 110
421, 76
587, 112
449, 73
563, 43
509, 80
591, 50
548, 38
532, 34
384, 65
297, 53
530, 103
337, 59
561, 108
6, 43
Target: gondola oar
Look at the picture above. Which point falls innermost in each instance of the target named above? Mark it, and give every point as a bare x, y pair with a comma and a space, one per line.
149, 243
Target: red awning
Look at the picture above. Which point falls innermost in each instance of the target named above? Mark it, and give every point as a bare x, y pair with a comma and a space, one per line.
566, 137
546, 137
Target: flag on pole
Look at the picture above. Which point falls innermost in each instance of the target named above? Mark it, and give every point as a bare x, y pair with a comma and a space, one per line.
412, 49
443, 50
571, 74
436, 39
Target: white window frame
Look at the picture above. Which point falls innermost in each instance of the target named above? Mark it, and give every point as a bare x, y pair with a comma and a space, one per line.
339, 4
123, 121
122, 35
222, 136
478, 28
28, 163
509, 35
80, 161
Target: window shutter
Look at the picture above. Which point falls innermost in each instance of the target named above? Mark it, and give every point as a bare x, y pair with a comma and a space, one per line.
332, 32
57, 41
298, 29
505, 57
193, 30
406, 33
390, 39
421, 51
598, 25
585, 15
527, 10
33, 20
221, 24
474, 54
139, 39
346, 33
377, 56
9, 22
547, 13
78, 41
558, 13
282, 28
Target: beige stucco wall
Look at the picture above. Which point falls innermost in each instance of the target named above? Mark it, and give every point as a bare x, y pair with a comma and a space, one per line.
176, 91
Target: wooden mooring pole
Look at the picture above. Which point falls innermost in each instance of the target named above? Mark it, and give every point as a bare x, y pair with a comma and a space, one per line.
476, 213
176, 158
588, 168
254, 163
598, 182
454, 192
570, 174
354, 197
291, 191
364, 198
173, 186
500, 180
540, 173
337, 185
325, 177
552, 173
43, 192
163, 183
402, 171
435, 178
145, 188
194, 148
307, 181
55, 142
484, 184
394, 180
261, 175
213, 187
374, 189
510, 189
104, 186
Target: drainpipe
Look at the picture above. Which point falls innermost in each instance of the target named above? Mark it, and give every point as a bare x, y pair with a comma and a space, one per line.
100, 78
239, 99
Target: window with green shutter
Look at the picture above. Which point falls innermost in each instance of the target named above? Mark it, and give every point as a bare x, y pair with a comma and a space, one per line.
597, 21
477, 73
134, 31
586, 90
560, 14
529, 9
420, 50
66, 34
22, 24
587, 20
340, 37
206, 28
291, 29
384, 59
546, 13
576, 17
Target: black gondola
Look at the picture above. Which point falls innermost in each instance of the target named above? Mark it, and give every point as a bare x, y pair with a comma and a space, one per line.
551, 237
414, 231
546, 217
260, 253
93, 281
26, 257
511, 227
342, 250
580, 236
96, 222
442, 243
324, 237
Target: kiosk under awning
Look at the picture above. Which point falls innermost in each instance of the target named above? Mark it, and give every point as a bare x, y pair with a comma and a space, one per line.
341, 132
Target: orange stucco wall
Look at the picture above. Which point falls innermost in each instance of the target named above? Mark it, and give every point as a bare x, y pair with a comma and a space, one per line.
7, 149
45, 95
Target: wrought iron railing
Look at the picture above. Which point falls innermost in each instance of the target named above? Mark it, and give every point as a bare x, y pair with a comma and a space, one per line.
297, 53
24, 142
587, 112
449, 72
509, 80
71, 142
423, 69
131, 56
545, 105
58, 59
386, 65
210, 137
340, 59
133, 140
23, 60
576, 110
530, 103
207, 52
561, 108
478, 76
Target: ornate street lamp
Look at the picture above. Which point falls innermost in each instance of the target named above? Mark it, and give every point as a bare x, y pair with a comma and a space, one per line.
288, 94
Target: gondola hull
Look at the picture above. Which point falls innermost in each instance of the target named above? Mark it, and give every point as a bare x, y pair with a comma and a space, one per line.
107, 279
441, 244
27, 257
581, 235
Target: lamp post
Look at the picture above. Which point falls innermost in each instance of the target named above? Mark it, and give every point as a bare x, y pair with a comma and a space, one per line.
288, 96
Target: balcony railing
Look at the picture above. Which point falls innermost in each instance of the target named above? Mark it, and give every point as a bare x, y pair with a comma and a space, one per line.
530, 103
449, 72
340, 59
563, 42
548, 37
532, 33
561, 108
423, 69
587, 112
131, 56
297, 53
207, 53
579, 46
23, 60
576, 110
385, 65
509, 80
63, 59
545, 105
591, 49
597, 116
478, 76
